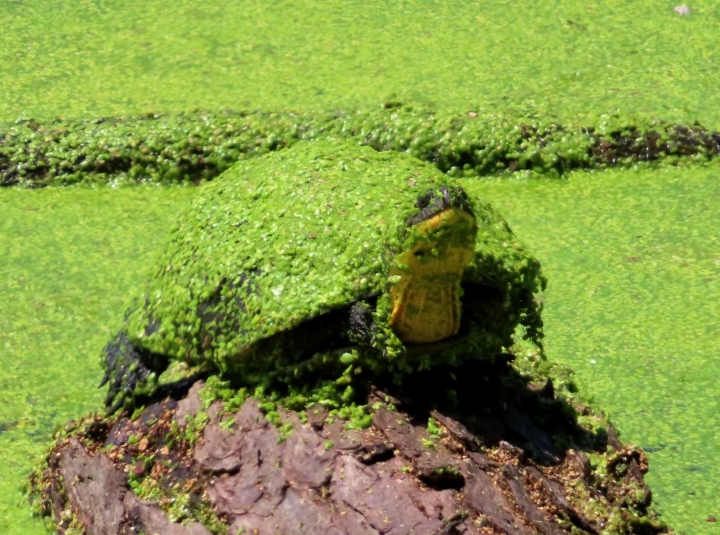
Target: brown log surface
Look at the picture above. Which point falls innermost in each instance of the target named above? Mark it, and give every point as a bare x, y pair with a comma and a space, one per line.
500, 472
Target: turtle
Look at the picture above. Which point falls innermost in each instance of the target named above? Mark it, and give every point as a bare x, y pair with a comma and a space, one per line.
321, 255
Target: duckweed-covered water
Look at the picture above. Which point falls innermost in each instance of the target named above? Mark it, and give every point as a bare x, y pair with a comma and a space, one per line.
633, 262
91, 58
632, 257
68, 259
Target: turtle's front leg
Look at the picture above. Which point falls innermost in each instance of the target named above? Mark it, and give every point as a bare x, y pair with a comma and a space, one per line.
361, 328
129, 372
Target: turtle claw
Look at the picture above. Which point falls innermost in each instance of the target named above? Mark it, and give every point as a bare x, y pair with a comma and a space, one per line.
125, 374
114, 407
105, 378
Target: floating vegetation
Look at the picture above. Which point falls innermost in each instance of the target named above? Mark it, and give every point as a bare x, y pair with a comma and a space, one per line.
196, 147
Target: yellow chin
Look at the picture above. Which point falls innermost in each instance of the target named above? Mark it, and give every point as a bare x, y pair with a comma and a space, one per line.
425, 316
426, 293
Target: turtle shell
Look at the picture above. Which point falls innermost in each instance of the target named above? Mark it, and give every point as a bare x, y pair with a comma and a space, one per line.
296, 234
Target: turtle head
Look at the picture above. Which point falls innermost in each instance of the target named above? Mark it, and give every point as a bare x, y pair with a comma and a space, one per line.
426, 274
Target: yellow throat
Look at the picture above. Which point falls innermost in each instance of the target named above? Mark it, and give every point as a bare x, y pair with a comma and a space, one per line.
425, 294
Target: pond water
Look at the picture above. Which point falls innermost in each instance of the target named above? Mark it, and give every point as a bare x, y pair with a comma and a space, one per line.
632, 257
92, 58
68, 259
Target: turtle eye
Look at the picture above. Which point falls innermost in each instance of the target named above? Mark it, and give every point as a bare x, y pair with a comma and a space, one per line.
423, 201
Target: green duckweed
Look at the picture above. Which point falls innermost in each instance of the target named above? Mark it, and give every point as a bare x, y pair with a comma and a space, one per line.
196, 147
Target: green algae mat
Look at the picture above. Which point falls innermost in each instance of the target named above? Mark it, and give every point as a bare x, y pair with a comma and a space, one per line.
110, 57
68, 259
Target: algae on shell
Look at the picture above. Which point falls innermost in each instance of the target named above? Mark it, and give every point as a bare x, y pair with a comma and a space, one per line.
305, 232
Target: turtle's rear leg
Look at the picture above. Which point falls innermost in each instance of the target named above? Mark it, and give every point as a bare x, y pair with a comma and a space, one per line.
129, 372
